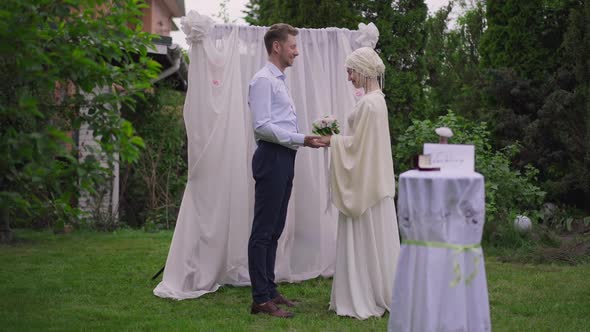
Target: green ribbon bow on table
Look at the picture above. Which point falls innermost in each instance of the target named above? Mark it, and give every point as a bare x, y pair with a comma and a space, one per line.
458, 249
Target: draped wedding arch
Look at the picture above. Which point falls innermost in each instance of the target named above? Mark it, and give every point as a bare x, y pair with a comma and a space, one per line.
210, 243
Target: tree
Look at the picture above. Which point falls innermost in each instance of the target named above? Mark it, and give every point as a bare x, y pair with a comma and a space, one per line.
223, 13
520, 50
303, 13
559, 138
402, 39
514, 38
59, 57
454, 78
536, 56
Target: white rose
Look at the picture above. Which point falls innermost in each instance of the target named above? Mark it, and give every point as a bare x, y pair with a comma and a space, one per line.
444, 132
318, 124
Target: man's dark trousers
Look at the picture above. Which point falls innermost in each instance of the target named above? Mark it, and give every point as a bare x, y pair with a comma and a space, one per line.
273, 168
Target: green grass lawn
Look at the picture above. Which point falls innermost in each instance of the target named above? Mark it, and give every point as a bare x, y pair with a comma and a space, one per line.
102, 281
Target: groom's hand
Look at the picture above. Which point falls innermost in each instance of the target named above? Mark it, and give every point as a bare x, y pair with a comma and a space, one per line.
313, 141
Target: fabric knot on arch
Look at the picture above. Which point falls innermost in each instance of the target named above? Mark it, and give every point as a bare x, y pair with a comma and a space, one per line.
369, 35
196, 26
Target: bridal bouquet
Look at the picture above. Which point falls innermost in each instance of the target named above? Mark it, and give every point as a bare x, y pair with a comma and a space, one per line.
328, 125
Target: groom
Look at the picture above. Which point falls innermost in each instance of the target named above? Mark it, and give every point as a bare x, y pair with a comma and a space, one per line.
277, 136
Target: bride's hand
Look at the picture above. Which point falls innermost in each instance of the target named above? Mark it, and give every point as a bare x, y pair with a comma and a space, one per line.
326, 139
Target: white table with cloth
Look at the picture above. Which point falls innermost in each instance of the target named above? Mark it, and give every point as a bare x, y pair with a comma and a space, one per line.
440, 283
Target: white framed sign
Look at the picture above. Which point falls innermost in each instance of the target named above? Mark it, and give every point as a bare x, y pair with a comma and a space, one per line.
451, 157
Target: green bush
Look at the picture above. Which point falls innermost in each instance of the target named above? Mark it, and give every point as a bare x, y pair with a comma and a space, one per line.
58, 58
152, 188
508, 191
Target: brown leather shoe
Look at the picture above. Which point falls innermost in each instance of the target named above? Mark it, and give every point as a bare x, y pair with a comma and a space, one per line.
280, 299
270, 308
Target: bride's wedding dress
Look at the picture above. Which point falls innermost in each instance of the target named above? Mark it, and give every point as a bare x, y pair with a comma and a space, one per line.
363, 186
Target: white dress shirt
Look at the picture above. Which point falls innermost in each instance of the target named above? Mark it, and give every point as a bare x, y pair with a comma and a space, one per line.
272, 109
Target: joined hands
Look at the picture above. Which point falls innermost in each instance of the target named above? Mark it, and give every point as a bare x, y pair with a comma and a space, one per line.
315, 141
325, 140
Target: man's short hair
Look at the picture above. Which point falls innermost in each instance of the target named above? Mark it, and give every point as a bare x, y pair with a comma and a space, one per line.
278, 32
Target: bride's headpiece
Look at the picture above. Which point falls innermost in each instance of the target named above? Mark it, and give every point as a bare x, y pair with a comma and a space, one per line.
366, 62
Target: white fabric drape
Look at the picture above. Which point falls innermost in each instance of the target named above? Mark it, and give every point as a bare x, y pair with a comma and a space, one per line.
209, 246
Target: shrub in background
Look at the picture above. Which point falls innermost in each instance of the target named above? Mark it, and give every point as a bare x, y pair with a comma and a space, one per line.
152, 188
57, 58
508, 191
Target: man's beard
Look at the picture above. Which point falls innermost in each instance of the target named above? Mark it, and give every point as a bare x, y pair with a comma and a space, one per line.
286, 62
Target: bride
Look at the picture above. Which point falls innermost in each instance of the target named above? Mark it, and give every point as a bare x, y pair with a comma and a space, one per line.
363, 188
